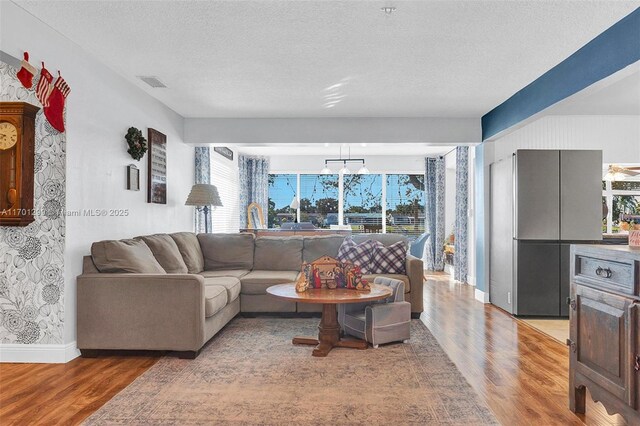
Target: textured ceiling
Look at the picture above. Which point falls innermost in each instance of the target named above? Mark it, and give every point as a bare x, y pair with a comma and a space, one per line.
619, 98
296, 58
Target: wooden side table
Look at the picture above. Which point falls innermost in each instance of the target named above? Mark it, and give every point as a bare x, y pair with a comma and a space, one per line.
329, 329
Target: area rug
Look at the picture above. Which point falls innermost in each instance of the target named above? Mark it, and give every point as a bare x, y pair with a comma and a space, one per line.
250, 373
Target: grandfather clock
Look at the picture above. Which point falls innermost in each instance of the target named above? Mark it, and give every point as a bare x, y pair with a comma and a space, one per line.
17, 150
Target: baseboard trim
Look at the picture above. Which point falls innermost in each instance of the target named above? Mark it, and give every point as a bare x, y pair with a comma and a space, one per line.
481, 296
43, 354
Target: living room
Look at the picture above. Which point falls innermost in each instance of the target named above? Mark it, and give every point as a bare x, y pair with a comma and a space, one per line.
441, 197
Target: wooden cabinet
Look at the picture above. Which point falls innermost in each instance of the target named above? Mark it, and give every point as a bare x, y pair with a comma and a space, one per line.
605, 320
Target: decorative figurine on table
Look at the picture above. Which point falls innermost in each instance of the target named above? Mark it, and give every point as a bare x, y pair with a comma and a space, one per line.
327, 272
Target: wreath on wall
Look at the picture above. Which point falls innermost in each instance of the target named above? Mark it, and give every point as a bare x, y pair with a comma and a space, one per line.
137, 143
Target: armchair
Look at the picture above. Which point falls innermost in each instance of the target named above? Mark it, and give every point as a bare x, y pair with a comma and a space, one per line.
381, 322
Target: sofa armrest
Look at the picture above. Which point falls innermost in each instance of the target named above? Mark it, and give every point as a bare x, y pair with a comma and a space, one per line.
140, 311
383, 314
415, 272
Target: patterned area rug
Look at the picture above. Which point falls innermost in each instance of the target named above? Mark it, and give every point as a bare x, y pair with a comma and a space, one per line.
250, 373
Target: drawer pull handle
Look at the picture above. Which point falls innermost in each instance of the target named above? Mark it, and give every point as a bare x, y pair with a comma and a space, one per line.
605, 273
637, 363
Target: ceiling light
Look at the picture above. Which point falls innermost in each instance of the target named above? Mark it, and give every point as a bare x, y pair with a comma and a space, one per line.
345, 170
388, 10
363, 170
326, 144
363, 144
614, 176
326, 170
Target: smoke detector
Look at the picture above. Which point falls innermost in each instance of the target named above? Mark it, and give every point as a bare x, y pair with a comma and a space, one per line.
152, 81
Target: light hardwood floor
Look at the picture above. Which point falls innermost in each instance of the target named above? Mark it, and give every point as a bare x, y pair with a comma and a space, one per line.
520, 372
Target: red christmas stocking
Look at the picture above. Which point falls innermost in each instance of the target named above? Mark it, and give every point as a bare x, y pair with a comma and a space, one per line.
26, 73
55, 110
43, 90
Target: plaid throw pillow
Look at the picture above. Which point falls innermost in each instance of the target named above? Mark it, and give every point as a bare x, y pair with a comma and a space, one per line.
389, 260
358, 254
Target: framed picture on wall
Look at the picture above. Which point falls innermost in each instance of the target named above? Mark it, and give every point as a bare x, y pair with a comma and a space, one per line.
157, 171
133, 178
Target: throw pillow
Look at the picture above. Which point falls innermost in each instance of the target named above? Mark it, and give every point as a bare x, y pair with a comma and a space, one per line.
124, 256
358, 254
389, 260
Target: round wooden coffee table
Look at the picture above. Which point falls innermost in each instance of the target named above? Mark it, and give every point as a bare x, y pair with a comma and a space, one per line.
329, 329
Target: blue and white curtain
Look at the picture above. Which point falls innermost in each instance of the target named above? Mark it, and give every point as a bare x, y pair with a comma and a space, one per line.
434, 188
461, 223
254, 185
202, 175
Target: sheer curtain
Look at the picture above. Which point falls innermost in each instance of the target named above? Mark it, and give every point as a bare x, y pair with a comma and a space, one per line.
202, 175
254, 185
461, 220
434, 190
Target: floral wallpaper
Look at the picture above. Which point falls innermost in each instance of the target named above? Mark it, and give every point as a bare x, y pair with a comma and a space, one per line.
32, 257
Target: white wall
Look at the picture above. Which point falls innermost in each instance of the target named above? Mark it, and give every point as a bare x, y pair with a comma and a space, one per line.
451, 131
450, 194
100, 108
617, 136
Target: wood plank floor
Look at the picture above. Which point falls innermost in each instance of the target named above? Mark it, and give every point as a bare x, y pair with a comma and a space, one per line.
521, 373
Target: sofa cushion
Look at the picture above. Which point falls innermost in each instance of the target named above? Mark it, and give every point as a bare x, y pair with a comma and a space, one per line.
358, 254
231, 284
124, 256
236, 273
386, 239
166, 252
189, 247
403, 278
324, 245
256, 282
227, 251
215, 298
389, 260
278, 254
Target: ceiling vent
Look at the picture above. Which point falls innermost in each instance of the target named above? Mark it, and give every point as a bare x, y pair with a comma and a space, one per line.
151, 81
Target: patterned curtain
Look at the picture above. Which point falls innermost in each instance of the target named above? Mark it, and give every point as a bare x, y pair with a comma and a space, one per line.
203, 175
434, 188
460, 227
254, 185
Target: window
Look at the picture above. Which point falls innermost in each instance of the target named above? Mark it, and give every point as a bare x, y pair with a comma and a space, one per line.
405, 204
282, 189
224, 175
622, 199
319, 199
363, 202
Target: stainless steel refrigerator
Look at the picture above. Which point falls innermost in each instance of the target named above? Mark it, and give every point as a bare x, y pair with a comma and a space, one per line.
542, 201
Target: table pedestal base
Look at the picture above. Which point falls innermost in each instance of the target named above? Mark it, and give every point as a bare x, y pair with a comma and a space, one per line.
329, 334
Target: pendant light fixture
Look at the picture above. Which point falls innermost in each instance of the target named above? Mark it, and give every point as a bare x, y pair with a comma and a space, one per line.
344, 170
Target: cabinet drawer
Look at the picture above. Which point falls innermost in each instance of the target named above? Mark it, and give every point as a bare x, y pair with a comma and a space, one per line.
618, 276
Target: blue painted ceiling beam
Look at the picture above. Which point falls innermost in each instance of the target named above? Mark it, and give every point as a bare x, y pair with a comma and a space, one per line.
611, 51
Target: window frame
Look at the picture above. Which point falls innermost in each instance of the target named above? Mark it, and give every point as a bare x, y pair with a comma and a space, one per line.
608, 193
383, 177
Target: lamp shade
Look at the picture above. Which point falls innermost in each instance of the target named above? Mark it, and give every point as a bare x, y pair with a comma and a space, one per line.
203, 194
294, 203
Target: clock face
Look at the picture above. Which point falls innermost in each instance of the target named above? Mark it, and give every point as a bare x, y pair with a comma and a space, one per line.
8, 135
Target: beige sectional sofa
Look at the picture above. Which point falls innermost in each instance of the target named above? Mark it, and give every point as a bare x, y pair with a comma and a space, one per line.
176, 291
